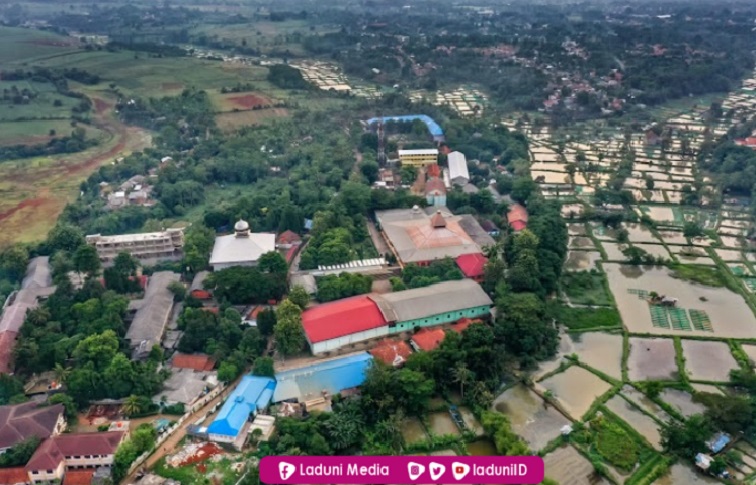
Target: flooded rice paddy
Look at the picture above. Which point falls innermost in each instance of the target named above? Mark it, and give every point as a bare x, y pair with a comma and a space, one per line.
645, 404
680, 474
602, 351
655, 250
729, 315
750, 351
470, 421
413, 431
531, 418
640, 234
575, 389
651, 359
682, 401
581, 260
729, 254
639, 421
568, 467
581, 242
614, 251
709, 388
708, 361
576, 229
482, 448
442, 424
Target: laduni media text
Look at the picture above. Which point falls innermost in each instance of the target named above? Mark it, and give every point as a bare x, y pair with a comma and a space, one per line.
316, 470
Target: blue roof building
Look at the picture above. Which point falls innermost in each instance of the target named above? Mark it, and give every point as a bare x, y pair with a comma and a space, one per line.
718, 442
433, 127
332, 376
253, 394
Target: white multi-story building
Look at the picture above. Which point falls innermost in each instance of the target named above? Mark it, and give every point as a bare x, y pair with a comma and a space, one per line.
166, 244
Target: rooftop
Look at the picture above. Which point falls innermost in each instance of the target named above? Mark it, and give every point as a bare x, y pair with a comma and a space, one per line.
131, 238
240, 248
428, 339
38, 273
12, 476
252, 394
444, 297
331, 376
54, 450
185, 386
418, 151
20, 421
391, 352
418, 236
433, 127
472, 265
341, 317
196, 362
151, 318
458, 165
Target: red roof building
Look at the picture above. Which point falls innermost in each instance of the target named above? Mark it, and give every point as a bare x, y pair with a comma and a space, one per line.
749, 142
391, 352
201, 294
463, 324
13, 476
472, 265
517, 217
288, 238
78, 477
428, 339
196, 362
84, 450
341, 318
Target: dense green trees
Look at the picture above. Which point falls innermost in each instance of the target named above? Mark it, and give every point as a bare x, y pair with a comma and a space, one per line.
289, 334
20, 453
249, 285
222, 336
415, 276
335, 287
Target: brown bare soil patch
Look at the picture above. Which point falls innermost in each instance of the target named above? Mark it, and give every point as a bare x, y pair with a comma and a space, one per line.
171, 86
249, 101
101, 105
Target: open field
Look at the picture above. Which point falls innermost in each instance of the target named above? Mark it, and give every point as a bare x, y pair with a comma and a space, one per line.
575, 389
232, 121
38, 131
28, 45
33, 192
728, 313
264, 36
535, 422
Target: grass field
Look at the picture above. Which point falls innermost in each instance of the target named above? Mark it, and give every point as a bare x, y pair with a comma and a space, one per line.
265, 36
232, 121
586, 288
24, 46
38, 131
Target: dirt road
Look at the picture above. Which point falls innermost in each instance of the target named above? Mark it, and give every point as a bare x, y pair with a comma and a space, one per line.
34, 192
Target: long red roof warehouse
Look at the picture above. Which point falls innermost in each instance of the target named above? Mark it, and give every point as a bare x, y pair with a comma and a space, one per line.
342, 317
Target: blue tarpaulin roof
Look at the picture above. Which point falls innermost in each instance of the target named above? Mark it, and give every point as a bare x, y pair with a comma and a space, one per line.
718, 442
252, 394
332, 376
433, 127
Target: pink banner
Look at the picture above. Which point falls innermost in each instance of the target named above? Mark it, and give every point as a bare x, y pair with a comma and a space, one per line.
352, 470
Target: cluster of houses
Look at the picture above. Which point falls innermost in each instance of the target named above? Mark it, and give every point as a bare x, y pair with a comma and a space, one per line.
60, 457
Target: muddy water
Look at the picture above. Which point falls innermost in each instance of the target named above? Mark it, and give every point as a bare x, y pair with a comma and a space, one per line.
575, 389
482, 448
651, 359
470, 421
680, 474
639, 233
614, 251
728, 312
568, 467
441, 424
646, 404
659, 213
682, 401
413, 431
581, 260
602, 351
531, 418
581, 242
708, 361
576, 229
639, 421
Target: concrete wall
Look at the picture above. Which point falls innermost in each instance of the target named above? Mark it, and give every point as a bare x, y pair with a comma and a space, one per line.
440, 319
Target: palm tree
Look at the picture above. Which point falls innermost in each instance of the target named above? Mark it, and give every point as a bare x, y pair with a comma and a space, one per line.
462, 375
61, 373
132, 405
